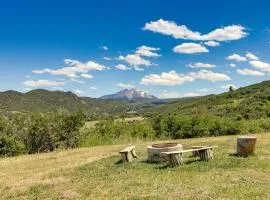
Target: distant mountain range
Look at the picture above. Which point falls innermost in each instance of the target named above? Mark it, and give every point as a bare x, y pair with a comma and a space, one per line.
130, 94
251, 101
40, 100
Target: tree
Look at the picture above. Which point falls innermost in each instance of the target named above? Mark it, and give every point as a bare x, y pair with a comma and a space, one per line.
231, 89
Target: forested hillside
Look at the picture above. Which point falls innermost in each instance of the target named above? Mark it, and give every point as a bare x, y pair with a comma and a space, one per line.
251, 102
44, 101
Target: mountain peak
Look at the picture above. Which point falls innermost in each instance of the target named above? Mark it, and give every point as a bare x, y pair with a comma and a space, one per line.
130, 94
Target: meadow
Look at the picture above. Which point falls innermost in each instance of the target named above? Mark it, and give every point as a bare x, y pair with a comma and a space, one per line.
96, 173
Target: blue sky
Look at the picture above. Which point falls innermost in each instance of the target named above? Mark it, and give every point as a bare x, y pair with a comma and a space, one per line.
168, 48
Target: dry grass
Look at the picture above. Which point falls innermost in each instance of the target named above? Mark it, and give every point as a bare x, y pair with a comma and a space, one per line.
93, 173
21, 172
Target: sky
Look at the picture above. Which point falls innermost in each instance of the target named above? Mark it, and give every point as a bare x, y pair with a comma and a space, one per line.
167, 48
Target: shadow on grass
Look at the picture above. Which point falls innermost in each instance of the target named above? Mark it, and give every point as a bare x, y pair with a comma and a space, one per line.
241, 156
119, 162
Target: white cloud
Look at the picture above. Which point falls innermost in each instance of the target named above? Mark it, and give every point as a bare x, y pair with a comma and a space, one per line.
228, 86
236, 57
135, 60
212, 43
139, 69
251, 56
93, 88
147, 51
210, 76
233, 32
172, 78
104, 48
248, 72
227, 33
260, 65
88, 76
107, 58
43, 83
122, 67
190, 48
123, 85
232, 65
74, 68
165, 78
201, 65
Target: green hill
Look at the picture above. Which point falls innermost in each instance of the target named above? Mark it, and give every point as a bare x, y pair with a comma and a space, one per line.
42, 100
251, 102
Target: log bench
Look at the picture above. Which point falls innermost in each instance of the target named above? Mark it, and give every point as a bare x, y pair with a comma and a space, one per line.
177, 157
128, 154
196, 153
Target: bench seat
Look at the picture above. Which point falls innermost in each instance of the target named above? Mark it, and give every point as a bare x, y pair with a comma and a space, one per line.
177, 157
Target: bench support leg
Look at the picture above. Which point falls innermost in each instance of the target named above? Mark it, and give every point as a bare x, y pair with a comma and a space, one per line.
128, 156
176, 159
206, 155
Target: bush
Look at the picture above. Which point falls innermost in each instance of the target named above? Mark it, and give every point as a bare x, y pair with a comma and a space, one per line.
10, 147
113, 131
41, 132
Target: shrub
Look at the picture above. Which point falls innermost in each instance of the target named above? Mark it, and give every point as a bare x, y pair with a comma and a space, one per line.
10, 147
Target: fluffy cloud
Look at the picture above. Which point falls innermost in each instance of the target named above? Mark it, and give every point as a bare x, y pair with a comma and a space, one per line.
248, 72
210, 76
135, 60
122, 67
201, 65
123, 85
212, 43
233, 32
88, 76
251, 56
232, 65
104, 48
260, 65
107, 58
236, 57
74, 68
172, 78
139, 69
93, 88
147, 51
43, 83
165, 78
190, 48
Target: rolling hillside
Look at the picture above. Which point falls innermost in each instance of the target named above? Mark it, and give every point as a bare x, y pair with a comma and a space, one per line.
251, 102
42, 100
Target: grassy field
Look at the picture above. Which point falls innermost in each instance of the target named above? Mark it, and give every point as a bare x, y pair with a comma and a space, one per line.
91, 124
95, 173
